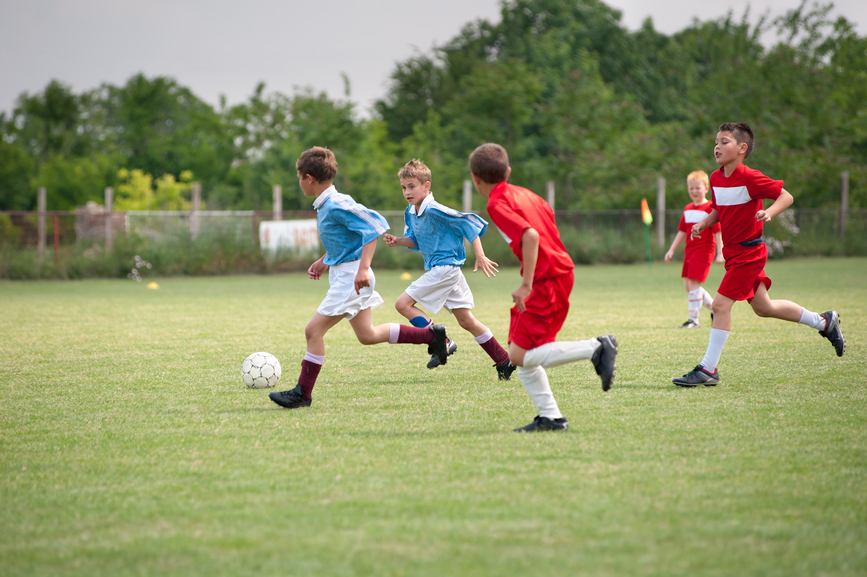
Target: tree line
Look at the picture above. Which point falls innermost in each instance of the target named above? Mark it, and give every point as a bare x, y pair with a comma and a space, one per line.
574, 96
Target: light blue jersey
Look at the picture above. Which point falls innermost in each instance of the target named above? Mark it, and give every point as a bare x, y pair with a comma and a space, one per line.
345, 226
439, 232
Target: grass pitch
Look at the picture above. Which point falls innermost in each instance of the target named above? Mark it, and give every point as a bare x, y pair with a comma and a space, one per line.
129, 445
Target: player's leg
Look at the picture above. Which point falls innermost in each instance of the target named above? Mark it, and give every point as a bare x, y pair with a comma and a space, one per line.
535, 381
405, 305
394, 333
485, 338
367, 334
827, 323
706, 373
694, 297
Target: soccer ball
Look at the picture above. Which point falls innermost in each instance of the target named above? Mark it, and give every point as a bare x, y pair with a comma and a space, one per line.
261, 371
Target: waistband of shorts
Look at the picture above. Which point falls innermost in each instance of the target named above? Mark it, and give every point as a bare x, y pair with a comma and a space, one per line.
753, 242
352, 264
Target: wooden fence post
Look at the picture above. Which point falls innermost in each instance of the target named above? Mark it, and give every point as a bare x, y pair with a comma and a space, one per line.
549, 192
660, 210
844, 204
468, 196
109, 207
277, 193
194, 213
40, 222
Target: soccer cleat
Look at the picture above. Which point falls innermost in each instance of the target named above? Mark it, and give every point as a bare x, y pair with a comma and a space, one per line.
439, 345
698, 376
603, 359
832, 331
691, 324
504, 371
544, 424
434, 361
290, 399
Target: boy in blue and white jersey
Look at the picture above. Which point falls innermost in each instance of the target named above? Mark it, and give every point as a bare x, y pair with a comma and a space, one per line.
348, 231
439, 232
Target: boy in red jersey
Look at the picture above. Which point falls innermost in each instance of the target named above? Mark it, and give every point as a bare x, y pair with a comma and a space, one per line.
737, 193
699, 250
542, 299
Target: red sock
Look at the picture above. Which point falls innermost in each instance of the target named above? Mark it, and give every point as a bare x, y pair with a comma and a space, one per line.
415, 335
495, 351
309, 372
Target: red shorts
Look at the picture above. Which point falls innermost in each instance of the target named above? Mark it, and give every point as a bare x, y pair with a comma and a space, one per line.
545, 312
745, 271
696, 264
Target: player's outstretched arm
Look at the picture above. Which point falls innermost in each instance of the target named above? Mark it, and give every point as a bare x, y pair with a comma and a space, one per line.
678, 238
711, 219
317, 268
783, 202
488, 266
393, 241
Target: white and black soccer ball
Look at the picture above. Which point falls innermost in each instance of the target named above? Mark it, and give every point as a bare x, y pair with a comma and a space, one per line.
261, 371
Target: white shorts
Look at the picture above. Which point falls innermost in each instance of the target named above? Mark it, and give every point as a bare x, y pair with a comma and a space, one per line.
341, 300
442, 286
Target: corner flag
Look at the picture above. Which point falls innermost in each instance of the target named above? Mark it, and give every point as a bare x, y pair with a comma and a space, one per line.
647, 218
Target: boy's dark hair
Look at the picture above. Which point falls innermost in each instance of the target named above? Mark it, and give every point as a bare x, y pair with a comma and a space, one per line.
742, 133
319, 163
415, 168
490, 162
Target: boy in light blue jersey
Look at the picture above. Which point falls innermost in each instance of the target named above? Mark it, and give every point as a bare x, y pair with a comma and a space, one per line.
439, 232
348, 231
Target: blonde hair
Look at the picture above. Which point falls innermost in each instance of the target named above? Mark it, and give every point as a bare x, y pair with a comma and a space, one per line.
699, 175
415, 168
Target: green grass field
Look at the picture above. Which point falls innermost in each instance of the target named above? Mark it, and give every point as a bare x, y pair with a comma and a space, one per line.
129, 445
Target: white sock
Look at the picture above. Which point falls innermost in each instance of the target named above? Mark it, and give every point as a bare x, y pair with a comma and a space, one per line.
318, 359
706, 299
695, 303
482, 339
812, 319
535, 380
556, 354
393, 333
715, 344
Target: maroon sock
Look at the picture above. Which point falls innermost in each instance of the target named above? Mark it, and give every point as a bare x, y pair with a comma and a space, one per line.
415, 335
495, 351
309, 372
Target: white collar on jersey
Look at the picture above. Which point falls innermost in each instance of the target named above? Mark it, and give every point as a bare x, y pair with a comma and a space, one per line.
421, 208
323, 197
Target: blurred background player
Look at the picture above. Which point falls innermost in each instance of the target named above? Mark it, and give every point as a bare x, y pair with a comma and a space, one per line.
439, 232
699, 251
349, 232
737, 193
542, 300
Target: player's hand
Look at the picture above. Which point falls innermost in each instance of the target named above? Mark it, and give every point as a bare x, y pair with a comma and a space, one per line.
763, 216
520, 295
362, 279
488, 266
316, 269
668, 256
719, 259
390, 240
696, 231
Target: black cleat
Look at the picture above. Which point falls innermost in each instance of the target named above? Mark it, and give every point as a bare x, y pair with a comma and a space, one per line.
290, 399
434, 361
439, 345
544, 424
832, 331
603, 359
698, 376
504, 371
691, 324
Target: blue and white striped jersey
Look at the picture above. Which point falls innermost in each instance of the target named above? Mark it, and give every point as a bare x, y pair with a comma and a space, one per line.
439, 232
345, 226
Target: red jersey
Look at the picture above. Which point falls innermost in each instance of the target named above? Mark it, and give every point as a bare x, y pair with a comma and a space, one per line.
738, 198
693, 213
514, 209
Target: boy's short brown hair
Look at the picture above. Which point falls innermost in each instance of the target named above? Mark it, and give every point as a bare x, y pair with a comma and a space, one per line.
490, 162
415, 168
319, 163
742, 133
699, 175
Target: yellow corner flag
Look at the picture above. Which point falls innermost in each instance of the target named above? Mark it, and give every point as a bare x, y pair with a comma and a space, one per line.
645, 212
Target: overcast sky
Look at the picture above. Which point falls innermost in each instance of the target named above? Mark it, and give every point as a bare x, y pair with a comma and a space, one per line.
226, 47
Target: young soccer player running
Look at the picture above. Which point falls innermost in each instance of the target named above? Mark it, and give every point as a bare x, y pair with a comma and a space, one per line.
349, 232
439, 232
699, 251
542, 300
737, 193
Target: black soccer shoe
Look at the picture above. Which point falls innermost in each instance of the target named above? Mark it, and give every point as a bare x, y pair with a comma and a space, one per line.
698, 376
504, 371
691, 324
439, 345
434, 361
832, 331
293, 399
603, 359
540, 424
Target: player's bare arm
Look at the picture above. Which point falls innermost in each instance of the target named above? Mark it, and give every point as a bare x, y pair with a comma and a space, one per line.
711, 219
393, 241
719, 246
488, 266
362, 277
678, 239
783, 202
317, 268
530, 249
